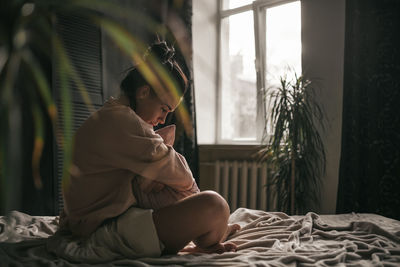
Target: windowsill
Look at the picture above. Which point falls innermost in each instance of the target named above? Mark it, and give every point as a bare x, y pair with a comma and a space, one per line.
230, 145
239, 143
212, 152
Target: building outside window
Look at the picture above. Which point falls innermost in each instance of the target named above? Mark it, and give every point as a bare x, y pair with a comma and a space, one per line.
259, 41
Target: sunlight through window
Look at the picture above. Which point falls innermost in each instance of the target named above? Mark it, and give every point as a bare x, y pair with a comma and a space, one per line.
280, 43
238, 86
283, 42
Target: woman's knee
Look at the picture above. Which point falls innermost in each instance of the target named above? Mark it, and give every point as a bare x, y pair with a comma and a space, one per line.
215, 204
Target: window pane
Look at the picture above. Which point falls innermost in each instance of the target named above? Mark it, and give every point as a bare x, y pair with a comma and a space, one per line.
238, 85
283, 41
229, 4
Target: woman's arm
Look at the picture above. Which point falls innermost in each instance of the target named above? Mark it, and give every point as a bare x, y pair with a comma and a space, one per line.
155, 195
145, 153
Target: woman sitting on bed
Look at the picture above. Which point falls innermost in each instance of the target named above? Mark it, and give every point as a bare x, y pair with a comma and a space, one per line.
128, 180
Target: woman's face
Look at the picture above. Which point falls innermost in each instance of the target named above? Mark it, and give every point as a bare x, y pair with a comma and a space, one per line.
150, 108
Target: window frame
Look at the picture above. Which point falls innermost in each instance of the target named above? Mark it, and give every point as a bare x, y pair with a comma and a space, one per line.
259, 8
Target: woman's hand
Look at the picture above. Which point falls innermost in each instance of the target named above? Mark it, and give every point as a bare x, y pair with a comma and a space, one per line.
168, 134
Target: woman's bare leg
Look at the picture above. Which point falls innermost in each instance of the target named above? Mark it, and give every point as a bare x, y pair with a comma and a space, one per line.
201, 218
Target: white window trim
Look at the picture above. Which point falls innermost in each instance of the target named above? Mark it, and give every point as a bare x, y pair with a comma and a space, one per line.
259, 15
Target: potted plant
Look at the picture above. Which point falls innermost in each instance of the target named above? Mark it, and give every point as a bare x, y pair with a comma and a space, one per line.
294, 147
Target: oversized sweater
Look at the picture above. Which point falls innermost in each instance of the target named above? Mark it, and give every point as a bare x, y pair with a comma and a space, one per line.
111, 148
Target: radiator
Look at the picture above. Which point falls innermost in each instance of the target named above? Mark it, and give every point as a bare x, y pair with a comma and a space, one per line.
244, 184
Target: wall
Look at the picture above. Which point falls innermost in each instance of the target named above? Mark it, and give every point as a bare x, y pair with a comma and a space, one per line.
323, 54
323, 24
116, 62
205, 67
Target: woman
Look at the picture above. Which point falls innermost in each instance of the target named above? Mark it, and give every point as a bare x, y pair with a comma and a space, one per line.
117, 149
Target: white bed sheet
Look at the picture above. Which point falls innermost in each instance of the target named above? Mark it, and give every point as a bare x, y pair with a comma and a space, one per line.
266, 239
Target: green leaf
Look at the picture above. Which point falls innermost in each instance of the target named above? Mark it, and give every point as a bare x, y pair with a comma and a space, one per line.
38, 144
65, 138
295, 118
42, 83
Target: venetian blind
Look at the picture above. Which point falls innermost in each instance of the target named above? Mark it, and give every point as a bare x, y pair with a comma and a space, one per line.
82, 42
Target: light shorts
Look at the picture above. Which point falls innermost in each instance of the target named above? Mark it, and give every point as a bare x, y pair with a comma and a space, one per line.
130, 235
138, 233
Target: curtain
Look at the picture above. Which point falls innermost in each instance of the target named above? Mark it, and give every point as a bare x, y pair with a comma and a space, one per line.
177, 17
369, 176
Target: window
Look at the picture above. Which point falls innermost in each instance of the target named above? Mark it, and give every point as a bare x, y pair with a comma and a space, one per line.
259, 41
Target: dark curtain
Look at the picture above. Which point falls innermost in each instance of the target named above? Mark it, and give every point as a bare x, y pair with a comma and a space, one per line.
177, 17
369, 177
18, 124
186, 142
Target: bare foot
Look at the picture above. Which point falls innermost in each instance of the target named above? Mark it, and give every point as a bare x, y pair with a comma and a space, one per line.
223, 246
232, 228
217, 248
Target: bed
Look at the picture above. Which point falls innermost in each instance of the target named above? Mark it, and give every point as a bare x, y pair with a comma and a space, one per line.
266, 239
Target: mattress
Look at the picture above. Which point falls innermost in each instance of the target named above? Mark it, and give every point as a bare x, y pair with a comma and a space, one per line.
266, 239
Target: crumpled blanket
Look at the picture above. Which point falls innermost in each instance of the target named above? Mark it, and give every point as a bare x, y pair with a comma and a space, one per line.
266, 239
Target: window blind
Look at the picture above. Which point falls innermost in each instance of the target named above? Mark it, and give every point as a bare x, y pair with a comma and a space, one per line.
82, 43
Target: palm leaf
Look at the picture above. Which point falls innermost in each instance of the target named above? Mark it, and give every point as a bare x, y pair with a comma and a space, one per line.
64, 139
38, 144
42, 83
295, 115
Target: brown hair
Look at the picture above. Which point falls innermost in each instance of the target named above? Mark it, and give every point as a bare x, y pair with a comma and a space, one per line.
165, 55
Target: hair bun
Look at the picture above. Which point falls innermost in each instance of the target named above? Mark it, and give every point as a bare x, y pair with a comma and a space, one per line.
161, 51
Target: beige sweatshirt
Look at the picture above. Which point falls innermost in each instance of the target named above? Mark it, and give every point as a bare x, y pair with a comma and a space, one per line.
112, 147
